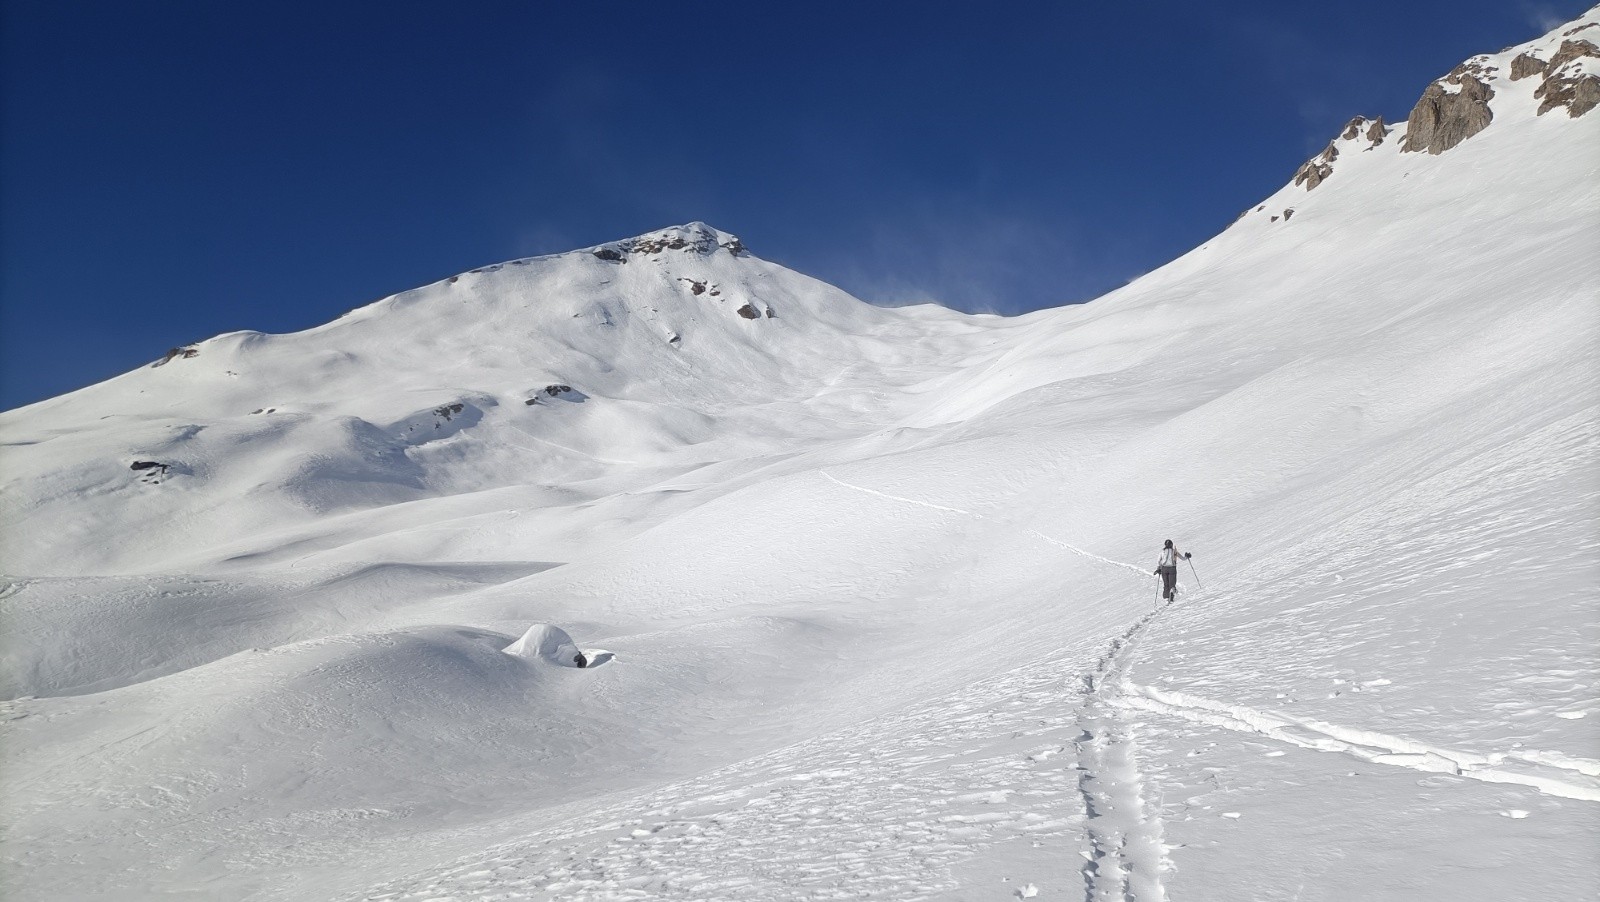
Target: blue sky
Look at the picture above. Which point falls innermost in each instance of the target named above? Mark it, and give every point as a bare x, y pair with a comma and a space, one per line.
174, 170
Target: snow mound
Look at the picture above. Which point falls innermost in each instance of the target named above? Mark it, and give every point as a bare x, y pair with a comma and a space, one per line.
546, 643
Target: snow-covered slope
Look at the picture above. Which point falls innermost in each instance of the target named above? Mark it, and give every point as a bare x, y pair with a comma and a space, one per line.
866, 592
647, 356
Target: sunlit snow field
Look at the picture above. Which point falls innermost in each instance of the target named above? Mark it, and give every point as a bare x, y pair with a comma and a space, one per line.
867, 593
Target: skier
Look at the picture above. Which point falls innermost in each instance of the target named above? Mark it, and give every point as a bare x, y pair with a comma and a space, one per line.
1167, 569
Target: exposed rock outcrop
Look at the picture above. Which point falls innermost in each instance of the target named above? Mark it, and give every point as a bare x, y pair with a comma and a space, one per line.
1377, 131
151, 472
695, 238
1313, 173
1450, 111
1526, 64
176, 354
1579, 95
1564, 64
1572, 50
1566, 84
565, 392
1316, 170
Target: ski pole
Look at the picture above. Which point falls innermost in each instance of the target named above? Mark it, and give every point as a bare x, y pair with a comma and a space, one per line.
1195, 572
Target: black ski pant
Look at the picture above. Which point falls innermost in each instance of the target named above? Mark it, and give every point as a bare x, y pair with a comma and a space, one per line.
1169, 580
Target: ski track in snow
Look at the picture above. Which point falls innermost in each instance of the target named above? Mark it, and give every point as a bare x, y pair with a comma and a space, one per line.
1125, 834
1126, 857
1551, 773
977, 516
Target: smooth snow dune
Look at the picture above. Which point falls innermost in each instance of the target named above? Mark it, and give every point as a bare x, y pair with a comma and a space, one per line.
281, 760
74, 636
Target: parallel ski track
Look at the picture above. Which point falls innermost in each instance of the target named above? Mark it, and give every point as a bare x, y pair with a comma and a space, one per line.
1127, 857
1552, 773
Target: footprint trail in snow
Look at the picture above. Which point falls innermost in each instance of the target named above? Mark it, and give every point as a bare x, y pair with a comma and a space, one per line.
1126, 857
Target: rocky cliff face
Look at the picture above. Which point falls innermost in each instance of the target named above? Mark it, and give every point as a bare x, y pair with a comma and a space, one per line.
1452, 109
1569, 78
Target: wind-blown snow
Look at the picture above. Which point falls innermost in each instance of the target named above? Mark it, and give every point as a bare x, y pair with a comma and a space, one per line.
873, 585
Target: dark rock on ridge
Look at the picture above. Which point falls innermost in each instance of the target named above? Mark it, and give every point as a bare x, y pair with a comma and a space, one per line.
1576, 91
1443, 117
1316, 170
696, 238
1526, 64
1377, 131
1571, 50
175, 354
557, 391
151, 472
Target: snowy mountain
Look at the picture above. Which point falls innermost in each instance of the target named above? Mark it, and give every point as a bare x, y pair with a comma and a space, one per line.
658, 353
866, 594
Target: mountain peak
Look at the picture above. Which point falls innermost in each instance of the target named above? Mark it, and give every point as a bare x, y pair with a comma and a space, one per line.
693, 237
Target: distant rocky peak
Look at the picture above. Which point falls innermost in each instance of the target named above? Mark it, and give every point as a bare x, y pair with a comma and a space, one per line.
694, 238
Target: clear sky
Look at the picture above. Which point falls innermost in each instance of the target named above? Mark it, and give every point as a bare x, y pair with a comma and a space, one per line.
173, 170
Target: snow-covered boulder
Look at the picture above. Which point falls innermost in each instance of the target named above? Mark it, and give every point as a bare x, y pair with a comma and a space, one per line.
543, 642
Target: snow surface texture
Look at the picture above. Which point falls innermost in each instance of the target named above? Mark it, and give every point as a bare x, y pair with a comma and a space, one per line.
875, 584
